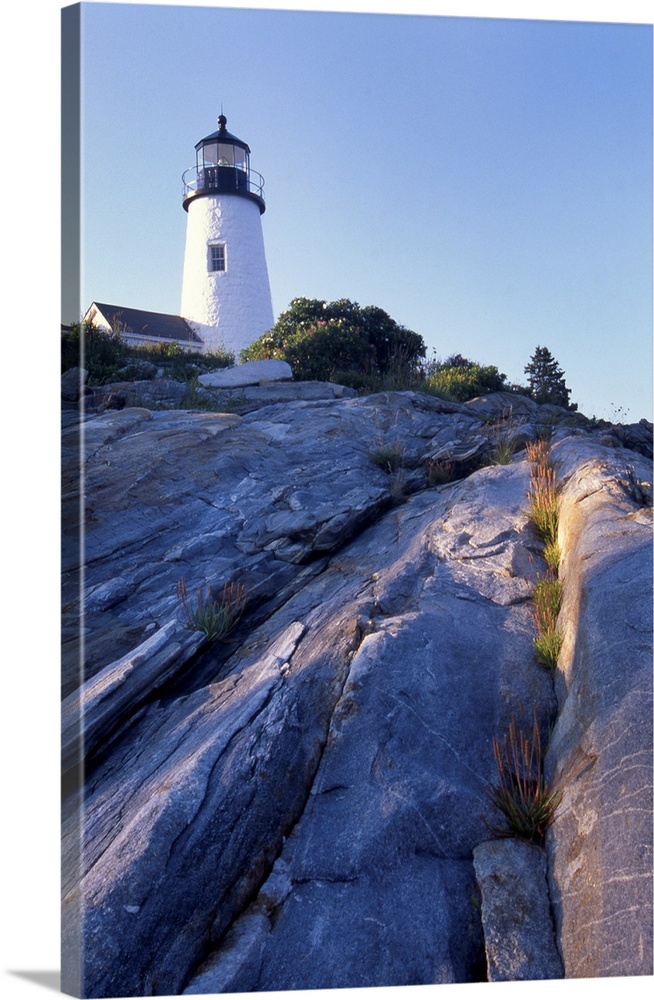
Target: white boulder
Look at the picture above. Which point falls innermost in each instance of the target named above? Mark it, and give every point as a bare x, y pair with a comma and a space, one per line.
249, 373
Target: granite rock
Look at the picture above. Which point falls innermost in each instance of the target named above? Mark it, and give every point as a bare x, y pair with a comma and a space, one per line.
300, 805
249, 373
515, 911
600, 844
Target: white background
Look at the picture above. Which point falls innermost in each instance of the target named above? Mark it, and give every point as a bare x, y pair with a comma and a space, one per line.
30, 493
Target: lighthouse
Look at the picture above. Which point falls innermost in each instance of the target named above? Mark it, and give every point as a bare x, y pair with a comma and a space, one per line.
225, 288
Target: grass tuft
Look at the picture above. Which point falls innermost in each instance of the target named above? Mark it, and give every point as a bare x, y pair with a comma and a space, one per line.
547, 604
439, 471
522, 795
547, 648
538, 452
505, 438
544, 515
552, 556
389, 457
544, 503
216, 618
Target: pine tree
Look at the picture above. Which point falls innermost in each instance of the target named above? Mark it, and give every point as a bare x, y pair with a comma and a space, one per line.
546, 382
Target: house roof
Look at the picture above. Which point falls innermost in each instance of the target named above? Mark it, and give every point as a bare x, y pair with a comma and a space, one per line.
162, 326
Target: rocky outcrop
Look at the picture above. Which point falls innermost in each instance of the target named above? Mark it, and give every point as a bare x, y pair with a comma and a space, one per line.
518, 928
601, 841
235, 395
300, 806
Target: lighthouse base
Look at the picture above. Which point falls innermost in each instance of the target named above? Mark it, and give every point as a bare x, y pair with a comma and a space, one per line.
216, 339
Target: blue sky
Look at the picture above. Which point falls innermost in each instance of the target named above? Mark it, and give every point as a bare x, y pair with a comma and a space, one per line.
486, 181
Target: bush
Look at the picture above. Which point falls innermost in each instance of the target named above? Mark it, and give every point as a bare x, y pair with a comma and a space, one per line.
332, 341
108, 358
459, 379
99, 352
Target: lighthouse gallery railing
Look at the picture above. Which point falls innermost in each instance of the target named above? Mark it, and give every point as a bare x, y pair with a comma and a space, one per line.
196, 181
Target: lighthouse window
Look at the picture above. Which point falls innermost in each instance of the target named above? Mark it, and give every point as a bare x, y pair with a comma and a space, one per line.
217, 257
208, 156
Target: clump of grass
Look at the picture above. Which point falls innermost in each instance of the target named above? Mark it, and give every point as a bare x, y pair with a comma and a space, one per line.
503, 452
547, 648
547, 604
552, 555
526, 800
545, 429
542, 495
505, 437
389, 457
215, 617
538, 452
398, 487
439, 471
545, 518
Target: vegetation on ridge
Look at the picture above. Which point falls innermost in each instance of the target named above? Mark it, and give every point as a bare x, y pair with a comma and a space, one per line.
543, 495
546, 382
362, 347
343, 342
108, 358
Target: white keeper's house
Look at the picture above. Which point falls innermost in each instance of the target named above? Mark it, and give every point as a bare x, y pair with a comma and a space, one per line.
226, 299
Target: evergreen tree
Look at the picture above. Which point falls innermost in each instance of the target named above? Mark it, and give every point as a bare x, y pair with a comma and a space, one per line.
546, 382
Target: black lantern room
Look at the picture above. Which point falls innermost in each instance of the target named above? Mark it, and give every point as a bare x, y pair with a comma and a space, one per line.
222, 166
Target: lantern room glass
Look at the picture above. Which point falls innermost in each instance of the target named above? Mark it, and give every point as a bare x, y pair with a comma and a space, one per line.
222, 154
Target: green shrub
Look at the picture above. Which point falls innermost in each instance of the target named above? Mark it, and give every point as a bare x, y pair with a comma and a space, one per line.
458, 379
328, 341
522, 795
99, 352
108, 358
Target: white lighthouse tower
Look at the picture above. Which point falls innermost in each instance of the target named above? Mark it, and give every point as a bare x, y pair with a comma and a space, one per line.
225, 287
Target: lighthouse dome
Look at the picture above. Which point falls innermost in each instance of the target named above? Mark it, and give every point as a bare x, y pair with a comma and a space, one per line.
223, 136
